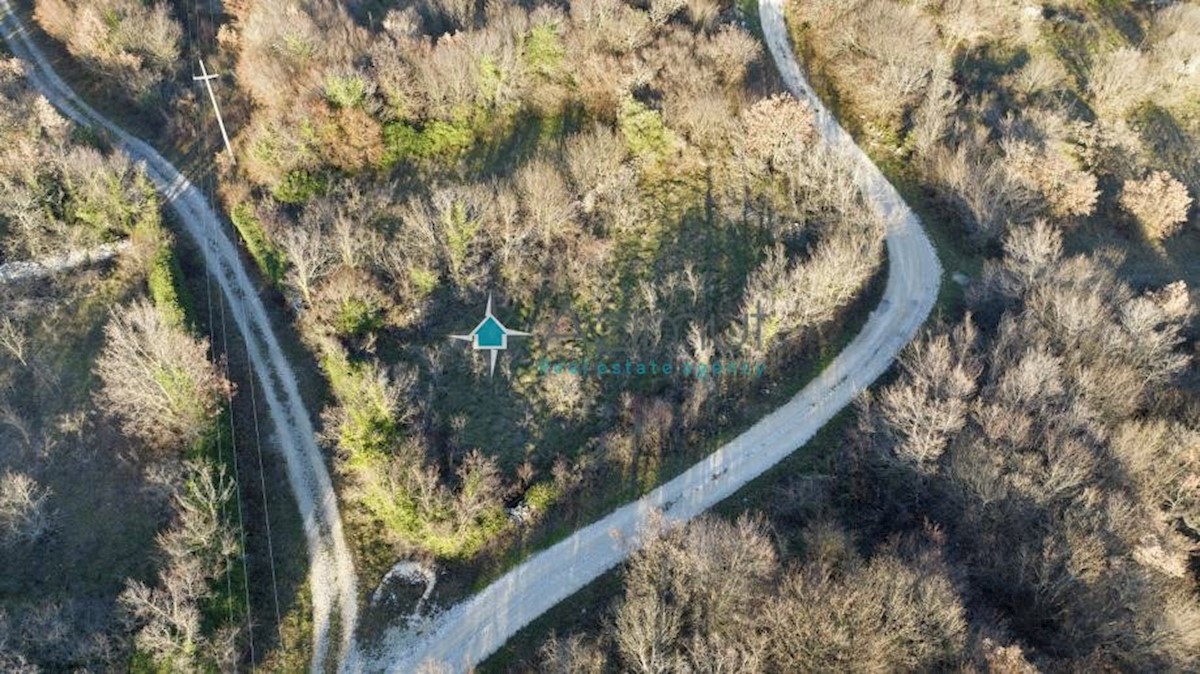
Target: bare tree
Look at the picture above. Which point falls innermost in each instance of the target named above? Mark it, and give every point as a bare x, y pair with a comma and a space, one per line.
24, 516
1120, 81
198, 547
884, 54
571, 655
169, 615
594, 159
930, 403
309, 255
138, 43
157, 379
14, 340
545, 200
875, 616
1030, 252
1159, 202
982, 188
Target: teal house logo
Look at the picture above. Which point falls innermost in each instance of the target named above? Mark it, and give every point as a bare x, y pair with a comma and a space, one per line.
490, 335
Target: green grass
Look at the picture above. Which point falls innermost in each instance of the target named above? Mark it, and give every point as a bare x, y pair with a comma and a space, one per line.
267, 256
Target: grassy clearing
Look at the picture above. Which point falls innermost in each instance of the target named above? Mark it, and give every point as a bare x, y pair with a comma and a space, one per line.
588, 609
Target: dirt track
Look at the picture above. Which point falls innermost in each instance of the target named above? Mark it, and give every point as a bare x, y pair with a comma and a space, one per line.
467, 633
331, 571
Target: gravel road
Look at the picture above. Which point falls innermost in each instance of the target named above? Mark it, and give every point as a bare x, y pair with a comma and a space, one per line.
469, 632
331, 571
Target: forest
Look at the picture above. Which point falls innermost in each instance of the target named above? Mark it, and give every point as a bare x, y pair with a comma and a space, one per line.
628, 172
116, 533
629, 167
1021, 493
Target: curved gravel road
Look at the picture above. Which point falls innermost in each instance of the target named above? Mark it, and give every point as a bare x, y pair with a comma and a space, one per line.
331, 571
469, 632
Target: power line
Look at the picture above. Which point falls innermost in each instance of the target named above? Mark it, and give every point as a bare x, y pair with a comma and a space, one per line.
237, 487
262, 481
195, 38
193, 29
237, 305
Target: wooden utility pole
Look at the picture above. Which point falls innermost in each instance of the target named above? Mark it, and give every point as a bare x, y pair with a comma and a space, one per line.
207, 79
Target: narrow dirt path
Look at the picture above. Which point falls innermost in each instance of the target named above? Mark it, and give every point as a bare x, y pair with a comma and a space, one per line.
331, 570
28, 270
469, 632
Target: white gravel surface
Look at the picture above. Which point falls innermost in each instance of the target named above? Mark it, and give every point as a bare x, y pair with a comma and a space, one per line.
467, 633
28, 270
331, 571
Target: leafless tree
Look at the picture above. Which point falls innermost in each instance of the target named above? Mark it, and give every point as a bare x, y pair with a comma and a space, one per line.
981, 187
1067, 189
1159, 202
879, 615
931, 401
200, 528
309, 255
883, 53
545, 200
157, 379
198, 547
24, 515
136, 43
570, 655
1119, 81
169, 615
14, 340
1030, 252
594, 159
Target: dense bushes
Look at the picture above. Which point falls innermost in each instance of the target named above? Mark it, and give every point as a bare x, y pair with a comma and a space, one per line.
59, 196
1031, 440
1011, 114
714, 596
135, 43
270, 260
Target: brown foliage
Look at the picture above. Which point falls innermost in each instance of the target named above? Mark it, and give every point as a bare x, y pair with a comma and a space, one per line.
883, 54
714, 597
1159, 202
135, 43
1046, 531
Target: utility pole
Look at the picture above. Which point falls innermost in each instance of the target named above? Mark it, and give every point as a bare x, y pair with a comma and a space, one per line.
207, 79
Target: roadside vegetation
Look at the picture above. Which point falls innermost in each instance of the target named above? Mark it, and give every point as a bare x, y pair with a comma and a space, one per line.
1035, 460
620, 179
1021, 497
115, 533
